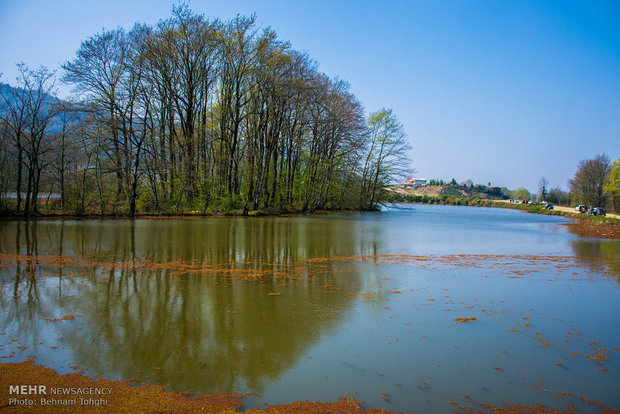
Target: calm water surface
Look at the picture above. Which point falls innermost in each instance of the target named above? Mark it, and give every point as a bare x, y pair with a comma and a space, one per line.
318, 307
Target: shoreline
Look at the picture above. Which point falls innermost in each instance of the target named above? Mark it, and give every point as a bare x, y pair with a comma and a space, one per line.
257, 213
584, 225
600, 227
587, 228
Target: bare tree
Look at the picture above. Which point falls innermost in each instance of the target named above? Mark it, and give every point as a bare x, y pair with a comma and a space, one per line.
4, 159
15, 120
66, 149
542, 188
28, 112
40, 85
96, 73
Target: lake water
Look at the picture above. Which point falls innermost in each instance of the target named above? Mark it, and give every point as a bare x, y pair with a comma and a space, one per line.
364, 305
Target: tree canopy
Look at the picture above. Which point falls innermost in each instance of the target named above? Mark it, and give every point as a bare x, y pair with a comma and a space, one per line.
612, 184
587, 184
192, 115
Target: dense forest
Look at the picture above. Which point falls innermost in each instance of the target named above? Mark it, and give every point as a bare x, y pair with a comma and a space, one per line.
194, 116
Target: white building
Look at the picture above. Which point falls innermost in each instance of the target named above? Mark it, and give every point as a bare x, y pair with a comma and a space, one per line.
412, 182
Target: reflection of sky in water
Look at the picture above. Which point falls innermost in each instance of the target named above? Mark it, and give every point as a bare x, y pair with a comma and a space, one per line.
429, 229
340, 327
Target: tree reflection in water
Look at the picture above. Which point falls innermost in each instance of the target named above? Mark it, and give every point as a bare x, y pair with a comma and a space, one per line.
201, 331
186, 302
601, 249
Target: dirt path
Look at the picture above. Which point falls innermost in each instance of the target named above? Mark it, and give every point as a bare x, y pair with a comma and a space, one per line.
570, 210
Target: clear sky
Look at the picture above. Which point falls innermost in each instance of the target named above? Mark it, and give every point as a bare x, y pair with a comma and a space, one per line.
494, 91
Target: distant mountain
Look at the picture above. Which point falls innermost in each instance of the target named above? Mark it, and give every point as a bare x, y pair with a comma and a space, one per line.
9, 92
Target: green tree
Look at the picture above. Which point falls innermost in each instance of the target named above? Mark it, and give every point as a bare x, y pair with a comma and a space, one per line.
587, 184
194, 115
612, 185
521, 193
558, 196
386, 159
505, 192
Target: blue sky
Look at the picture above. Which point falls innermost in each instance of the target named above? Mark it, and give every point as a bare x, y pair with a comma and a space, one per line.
494, 91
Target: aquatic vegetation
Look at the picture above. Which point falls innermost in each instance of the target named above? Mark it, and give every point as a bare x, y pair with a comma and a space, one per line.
464, 320
64, 318
302, 269
125, 397
408, 311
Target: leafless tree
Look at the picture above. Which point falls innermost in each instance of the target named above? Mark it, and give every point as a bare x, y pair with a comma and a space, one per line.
543, 184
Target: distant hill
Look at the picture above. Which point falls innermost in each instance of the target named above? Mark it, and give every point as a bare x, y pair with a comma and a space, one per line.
9, 92
452, 190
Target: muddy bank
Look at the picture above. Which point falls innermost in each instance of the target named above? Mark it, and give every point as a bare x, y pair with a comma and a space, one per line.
586, 227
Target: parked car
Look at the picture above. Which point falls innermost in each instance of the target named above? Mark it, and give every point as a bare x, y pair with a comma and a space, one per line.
581, 208
597, 211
